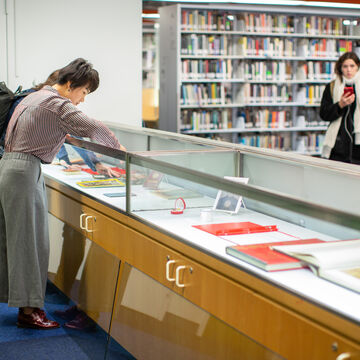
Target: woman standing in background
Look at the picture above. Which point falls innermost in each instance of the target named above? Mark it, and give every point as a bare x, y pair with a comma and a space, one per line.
342, 109
35, 134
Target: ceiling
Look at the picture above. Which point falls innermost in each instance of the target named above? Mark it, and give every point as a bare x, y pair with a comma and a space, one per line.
154, 5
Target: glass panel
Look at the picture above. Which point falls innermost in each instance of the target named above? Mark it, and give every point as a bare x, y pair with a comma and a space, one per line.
153, 322
140, 139
218, 163
157, 143
131, 139
87, 275
160, 190
171, 182
99, 176
213, 205
305, 180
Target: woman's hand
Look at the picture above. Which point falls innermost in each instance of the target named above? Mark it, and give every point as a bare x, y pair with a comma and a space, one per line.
106, 170
346, 99
70, 166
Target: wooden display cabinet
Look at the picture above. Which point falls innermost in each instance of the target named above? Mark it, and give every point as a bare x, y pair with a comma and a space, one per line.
256, 319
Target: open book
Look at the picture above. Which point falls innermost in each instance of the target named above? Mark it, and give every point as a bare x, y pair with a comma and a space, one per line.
264, 257
336, 261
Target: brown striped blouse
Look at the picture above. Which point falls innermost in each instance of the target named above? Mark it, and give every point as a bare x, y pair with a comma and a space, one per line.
41, 121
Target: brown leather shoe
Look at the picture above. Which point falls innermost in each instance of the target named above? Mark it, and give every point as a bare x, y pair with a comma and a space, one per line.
36, 320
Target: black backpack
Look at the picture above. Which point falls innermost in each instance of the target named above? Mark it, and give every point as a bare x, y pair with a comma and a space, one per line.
7, 98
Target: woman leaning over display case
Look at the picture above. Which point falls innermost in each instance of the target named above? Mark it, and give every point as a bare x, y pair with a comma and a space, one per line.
35, 133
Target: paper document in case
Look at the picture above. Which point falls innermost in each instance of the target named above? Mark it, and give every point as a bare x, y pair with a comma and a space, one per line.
337, 261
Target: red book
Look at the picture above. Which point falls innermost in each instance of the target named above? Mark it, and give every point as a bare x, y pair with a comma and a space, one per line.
121, 171
264, 257
257, 47
237, 228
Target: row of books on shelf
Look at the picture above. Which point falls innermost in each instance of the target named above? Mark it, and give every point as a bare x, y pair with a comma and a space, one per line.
148, 41
222, 119
202, 94
259, 93
148, 59
205, 120
310, 94
315, 70
249, 94
248, 119
256, 70
211, 20
268, 141
149, 79
310, 143
207, 45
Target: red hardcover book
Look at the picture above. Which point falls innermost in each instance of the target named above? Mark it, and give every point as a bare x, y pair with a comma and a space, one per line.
237, 228
264, 257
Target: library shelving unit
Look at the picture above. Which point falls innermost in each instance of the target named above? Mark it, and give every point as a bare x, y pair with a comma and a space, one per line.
250, 74
150, 74
150, 55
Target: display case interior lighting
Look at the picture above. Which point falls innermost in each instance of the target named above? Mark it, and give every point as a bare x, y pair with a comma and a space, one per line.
272, 2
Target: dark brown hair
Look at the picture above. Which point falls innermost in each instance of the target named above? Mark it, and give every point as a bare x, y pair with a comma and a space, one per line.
51, 80
80, 73
348, 55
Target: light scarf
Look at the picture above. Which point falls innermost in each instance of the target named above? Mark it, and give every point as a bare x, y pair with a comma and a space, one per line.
334, 126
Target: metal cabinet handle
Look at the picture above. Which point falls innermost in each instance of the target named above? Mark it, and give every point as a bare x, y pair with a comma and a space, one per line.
87, 223
167, 274
344, 356
177, 276
81, 222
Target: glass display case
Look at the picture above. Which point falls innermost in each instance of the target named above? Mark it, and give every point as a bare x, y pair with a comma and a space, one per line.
170, 216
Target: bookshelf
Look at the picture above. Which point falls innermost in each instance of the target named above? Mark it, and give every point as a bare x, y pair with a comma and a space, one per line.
250, 74
150, 74
150, 64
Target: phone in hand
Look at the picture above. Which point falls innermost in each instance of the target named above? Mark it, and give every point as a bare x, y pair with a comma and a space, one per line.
348, 90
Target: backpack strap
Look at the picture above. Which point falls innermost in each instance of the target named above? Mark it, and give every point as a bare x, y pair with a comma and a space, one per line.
18, 90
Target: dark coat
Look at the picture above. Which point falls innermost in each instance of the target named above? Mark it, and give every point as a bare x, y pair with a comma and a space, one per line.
344, 149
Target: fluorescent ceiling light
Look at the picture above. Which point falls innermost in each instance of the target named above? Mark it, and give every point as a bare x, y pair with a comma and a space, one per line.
151, 16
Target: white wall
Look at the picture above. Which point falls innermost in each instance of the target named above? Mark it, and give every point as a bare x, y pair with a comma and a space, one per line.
47, 34
3, 68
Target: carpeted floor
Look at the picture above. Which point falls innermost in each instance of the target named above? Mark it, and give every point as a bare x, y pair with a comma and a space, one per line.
59, 344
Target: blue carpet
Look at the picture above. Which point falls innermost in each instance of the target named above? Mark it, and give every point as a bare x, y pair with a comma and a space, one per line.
59, 344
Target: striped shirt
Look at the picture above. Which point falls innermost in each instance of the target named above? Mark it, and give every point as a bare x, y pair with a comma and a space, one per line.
41, 121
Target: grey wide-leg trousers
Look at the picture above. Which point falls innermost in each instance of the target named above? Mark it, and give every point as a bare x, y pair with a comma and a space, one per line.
24, 234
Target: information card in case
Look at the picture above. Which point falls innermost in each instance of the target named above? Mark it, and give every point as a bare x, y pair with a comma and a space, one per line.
236, 228
264, 257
